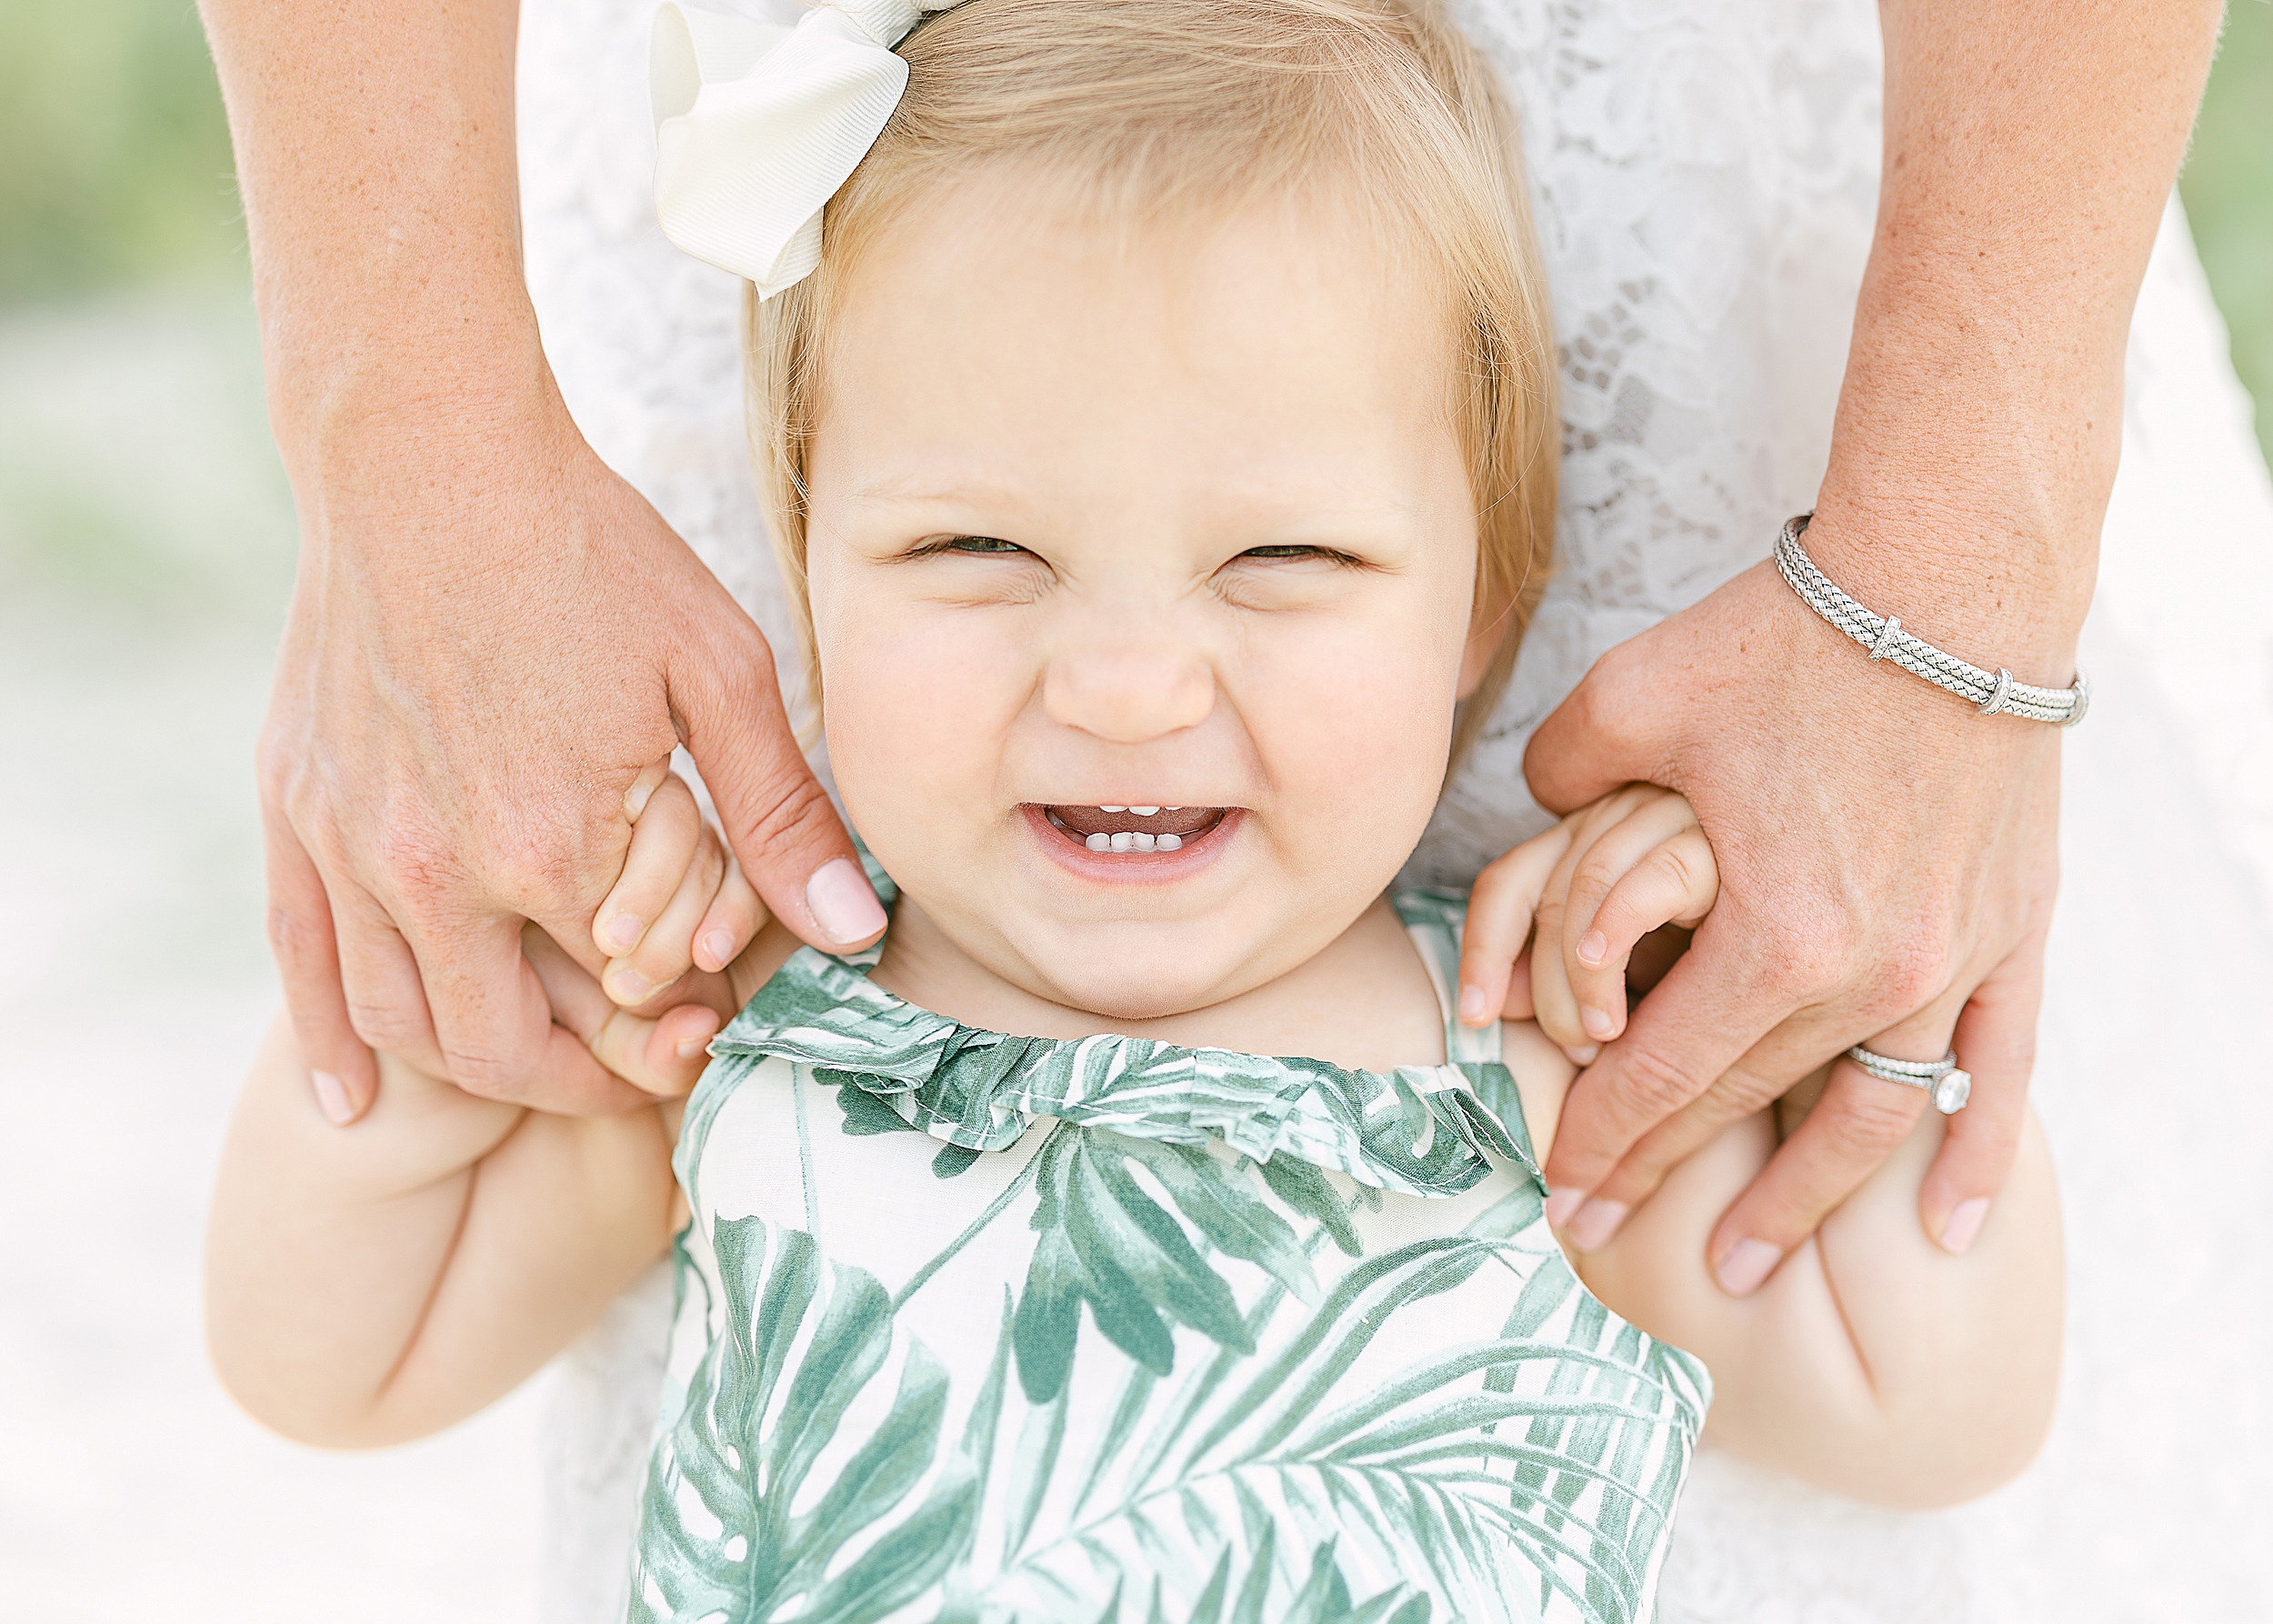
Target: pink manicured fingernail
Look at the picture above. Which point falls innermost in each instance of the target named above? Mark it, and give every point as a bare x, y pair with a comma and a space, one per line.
1964, 1226
1581, 1054
1597, 1221
843, 905
1561, 1203
331, 1098
1597, 1022
1747, 1264
1474, 1007
718, 947
691, 1047
624, 932
1593, 947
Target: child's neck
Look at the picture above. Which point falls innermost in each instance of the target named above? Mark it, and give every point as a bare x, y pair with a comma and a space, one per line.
1364, 1002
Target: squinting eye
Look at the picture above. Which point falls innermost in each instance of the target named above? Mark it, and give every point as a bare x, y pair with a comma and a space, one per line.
976, 544
1326, 555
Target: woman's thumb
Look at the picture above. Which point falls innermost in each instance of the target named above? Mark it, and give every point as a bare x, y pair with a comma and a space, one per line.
1584, 748
776, 815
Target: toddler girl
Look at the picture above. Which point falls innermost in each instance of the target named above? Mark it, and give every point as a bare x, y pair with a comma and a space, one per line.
1161, 449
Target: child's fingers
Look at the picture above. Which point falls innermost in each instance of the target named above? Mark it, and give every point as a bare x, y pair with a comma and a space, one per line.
1596, 966
663, 838
1553, 1006
663, 1055
736, 917
649, 780
667, 949
1518, 1005
1675, 883
1500, 911
1558, 1011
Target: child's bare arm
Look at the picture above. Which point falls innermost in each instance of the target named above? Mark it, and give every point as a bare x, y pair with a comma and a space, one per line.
1872, 1362
376, 1283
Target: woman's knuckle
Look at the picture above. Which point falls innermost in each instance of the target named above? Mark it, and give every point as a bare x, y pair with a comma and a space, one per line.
414, 865
385, 1025
1657, 1084
532, 867
493, 1073
784, 805
1801, 964
1866, 1127
294, 936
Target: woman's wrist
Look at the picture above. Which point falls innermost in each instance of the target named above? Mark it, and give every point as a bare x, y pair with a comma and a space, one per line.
1976, 523
368, 407
1993, 590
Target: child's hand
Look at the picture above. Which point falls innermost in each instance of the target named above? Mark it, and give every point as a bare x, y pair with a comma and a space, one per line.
1583, 894
681, 900
662, 1053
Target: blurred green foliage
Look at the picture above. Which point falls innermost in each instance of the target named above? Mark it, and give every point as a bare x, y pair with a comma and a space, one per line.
114, 156
2227, 185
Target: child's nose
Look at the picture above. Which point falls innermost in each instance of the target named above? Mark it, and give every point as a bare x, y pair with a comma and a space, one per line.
1128, 694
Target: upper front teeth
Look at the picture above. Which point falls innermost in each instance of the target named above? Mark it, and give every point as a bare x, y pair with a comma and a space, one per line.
1140, 811
1133, 840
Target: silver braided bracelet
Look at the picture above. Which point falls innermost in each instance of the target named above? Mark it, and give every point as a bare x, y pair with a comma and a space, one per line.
1994, 692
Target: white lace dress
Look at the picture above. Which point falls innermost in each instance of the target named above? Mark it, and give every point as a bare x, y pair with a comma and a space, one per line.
1706, 173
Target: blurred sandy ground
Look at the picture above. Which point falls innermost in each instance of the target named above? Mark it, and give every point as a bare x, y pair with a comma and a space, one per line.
145, 549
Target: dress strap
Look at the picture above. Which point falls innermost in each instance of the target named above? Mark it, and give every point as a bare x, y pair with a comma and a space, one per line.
1433, 918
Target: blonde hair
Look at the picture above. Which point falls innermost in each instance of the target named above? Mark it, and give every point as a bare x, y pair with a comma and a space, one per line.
1140, 110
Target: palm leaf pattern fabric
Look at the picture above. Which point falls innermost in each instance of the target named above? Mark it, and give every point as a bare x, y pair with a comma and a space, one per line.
1011, 1330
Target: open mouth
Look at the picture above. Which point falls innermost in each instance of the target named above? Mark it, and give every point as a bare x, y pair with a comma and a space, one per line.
1134, 830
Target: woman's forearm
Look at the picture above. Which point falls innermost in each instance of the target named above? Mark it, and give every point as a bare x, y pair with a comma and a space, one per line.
2030, 148
375, 149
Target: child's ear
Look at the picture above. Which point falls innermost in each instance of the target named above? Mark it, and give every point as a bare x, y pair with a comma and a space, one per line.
1493, 625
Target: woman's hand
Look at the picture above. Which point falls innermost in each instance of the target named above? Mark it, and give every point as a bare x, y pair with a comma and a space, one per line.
1889, 859
452, 743
1862, 901
492, 634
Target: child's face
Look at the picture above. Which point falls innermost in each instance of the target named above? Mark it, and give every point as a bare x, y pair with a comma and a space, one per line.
1178, 524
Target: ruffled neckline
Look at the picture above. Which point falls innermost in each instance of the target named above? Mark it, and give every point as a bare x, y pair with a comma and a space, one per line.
1420, 1130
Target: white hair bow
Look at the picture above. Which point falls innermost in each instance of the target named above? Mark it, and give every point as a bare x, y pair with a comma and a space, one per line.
756, 126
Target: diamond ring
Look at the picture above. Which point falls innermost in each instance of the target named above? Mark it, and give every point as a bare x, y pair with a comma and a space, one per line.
1944, 1083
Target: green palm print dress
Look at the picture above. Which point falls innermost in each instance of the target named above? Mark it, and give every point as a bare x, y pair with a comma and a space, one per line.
1107, 1331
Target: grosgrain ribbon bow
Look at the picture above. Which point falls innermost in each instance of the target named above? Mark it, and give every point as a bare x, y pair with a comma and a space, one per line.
756, 126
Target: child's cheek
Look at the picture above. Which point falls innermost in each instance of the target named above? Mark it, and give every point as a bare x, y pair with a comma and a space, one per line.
1354, 721
916, 700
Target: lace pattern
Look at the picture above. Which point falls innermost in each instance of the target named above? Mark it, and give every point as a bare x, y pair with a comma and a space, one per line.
1703, 175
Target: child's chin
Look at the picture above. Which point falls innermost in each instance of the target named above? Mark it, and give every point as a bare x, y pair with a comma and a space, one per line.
1131, 989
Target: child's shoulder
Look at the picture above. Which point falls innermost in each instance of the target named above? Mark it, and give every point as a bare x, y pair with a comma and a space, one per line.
1543, 1075
1434, 915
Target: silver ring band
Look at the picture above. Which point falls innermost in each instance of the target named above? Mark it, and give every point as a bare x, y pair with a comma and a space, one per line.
1947, 1084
